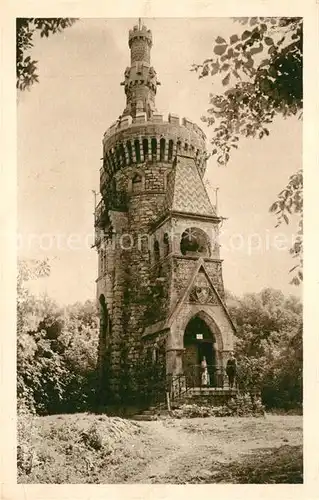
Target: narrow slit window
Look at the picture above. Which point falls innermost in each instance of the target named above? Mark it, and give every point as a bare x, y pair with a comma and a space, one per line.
170, 150
137, 150
154, 149
145, 148
130, 152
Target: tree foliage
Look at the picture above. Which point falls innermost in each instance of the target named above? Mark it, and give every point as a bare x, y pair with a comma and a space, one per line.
261, 70
269, 346
290, 200
56, 349
25, 31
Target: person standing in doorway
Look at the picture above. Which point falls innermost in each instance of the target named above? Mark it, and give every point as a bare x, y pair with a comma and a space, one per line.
231, 370
205, 375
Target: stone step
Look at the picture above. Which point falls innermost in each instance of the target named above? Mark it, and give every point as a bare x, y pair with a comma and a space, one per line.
210, 392
141, 417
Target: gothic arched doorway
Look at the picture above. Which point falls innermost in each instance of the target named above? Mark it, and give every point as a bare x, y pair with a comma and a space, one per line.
199, 342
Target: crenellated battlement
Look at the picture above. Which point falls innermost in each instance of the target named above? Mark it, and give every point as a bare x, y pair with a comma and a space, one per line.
137, 140
158, 118
140, 32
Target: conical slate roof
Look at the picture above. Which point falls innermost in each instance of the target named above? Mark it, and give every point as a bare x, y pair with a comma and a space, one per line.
185, 189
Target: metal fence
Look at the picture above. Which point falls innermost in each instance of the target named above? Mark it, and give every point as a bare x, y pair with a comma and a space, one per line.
213, 376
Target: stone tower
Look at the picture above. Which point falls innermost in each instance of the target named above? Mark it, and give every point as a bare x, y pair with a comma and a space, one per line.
159, 286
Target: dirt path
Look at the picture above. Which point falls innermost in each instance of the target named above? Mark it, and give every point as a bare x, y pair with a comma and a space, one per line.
174, 451
177, 446
193, 450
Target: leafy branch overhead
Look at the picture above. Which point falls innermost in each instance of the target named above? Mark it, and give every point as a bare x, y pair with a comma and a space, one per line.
290, 200
261, 70
25, 29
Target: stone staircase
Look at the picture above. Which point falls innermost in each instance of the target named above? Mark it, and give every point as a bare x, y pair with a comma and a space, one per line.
207, 396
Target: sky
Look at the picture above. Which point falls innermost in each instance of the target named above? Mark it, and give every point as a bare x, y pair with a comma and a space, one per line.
61, 122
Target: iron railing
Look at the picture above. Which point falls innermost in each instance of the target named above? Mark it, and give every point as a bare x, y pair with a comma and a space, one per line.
214, 376
176, 386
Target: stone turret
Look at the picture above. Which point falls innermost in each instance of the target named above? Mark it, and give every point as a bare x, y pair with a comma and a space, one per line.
152, 195
140, 79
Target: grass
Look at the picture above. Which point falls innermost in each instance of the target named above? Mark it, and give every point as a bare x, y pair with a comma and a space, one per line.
267, 466
88, 448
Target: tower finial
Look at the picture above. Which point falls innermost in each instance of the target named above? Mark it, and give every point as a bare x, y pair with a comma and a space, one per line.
139, 23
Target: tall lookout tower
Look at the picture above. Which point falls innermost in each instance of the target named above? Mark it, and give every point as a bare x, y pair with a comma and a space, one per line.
159, 287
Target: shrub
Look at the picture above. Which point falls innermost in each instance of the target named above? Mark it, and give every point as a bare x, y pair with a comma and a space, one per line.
92, 437
242, 405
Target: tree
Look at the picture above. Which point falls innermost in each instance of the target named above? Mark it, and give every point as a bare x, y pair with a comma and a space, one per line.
261, 70
56, 349
269, 345
25, 30
27, 321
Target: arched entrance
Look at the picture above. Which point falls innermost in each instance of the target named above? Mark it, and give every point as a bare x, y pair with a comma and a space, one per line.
199, 342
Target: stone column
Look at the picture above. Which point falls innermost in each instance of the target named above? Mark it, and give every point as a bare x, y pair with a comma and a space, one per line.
149, 149
141, 149
158, 149
133, 151
127, 156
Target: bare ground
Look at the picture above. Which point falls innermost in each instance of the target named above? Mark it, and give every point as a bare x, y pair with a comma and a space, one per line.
199, 450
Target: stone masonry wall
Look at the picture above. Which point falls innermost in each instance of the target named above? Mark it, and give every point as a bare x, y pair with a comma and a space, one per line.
138, 296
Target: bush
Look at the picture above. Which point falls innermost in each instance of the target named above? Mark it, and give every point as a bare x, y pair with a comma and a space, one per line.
56, 350
242, 405
269, 346
92, 437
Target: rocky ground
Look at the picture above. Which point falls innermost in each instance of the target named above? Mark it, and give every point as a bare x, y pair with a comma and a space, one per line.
100, 449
